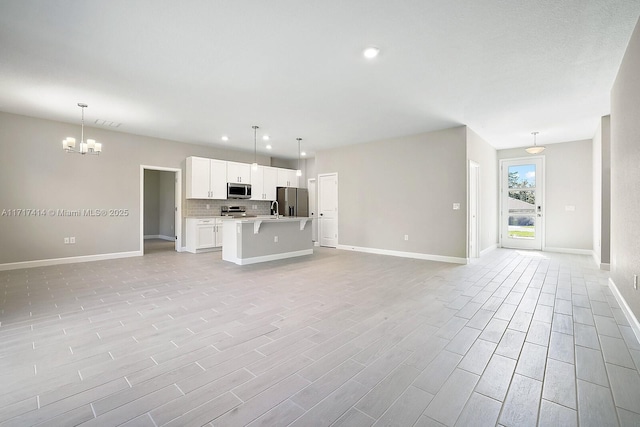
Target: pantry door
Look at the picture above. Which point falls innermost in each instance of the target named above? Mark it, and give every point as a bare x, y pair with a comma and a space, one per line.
522, 203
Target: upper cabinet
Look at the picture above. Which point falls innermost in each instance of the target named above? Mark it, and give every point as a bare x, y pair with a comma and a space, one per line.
287, 178
263, 183
238, 172
206, 178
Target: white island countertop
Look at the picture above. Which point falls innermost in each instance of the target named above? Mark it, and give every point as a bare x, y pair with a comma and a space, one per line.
248, 240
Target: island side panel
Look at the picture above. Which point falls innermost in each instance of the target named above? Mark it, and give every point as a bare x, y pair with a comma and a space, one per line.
230, 239
290, 238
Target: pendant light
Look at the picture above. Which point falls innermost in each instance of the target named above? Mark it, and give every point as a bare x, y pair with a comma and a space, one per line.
299, 171
535, 149
88, 147
254, 165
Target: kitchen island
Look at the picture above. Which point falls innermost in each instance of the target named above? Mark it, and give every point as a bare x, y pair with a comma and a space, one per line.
252, 240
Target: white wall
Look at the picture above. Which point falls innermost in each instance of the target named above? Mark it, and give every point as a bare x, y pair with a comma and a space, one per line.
625, 174
602, 192
568, 182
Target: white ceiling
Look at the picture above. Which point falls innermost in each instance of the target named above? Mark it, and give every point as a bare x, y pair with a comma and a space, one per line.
194, 70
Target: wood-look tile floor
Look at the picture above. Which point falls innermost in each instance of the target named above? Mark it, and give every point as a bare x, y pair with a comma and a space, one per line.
337, 338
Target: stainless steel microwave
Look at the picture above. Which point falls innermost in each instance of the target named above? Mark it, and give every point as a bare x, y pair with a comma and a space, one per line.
238, 191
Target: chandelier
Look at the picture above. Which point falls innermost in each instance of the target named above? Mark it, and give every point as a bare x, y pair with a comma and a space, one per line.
88, 147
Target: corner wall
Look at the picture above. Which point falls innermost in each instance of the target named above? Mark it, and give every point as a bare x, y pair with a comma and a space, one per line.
481, 152
625, 175
402, 186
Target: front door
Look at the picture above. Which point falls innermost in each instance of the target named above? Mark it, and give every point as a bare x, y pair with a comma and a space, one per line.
328, 208
522, 225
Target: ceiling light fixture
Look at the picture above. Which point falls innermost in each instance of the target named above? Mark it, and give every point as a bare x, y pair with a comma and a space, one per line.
371, 52
225, 138
89, 147
254, 165
265, 137
299, 171
536, 149
268, 147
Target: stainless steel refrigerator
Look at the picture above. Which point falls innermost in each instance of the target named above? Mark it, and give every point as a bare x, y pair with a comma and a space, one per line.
293, 201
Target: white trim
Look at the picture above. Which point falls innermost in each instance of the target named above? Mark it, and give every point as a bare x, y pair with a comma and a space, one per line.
489, 249
159, 236
178, 204
67, 260
569, 251
274, 257
631, 318
402, 254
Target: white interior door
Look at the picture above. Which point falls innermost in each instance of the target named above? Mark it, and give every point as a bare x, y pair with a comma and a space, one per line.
474, 210
522, 208
313, 208
328, 209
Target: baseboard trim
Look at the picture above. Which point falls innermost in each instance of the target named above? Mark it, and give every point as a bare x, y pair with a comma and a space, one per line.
631, 318
159, 236
605, 266
68, 260
489, 249
415, 255
274, 257
569, 251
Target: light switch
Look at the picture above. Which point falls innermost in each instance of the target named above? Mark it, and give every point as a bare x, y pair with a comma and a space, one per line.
456, 206
570, 208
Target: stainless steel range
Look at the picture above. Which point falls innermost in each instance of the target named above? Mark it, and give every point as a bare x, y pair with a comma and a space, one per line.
235, 211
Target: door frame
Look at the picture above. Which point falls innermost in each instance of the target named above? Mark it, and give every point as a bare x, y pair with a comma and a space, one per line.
320, 222
474, 210
314, 221
178, 204
544, 195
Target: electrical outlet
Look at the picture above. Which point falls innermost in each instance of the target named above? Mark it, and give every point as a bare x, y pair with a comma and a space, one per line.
254, 207
208, 206
406, 237
275, 239
635, 282
72, 240
66, 240
456, 206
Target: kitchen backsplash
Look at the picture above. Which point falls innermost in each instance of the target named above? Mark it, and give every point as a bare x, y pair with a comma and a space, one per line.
197, 207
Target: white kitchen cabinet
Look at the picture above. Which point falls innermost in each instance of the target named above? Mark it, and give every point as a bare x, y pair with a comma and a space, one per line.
206, 178
203, 234
287, 178
238, 172
263, 183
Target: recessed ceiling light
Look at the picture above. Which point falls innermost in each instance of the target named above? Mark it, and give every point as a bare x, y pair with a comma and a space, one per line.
269, 147
265, 137
303, 153
371, 52
224, 138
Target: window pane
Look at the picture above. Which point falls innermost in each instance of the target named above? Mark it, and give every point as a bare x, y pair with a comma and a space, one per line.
522, 226
522, 201
522, 176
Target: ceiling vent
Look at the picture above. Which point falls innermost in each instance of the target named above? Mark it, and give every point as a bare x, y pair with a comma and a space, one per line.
107, 123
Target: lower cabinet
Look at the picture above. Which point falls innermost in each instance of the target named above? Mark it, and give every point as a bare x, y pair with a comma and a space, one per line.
203, 234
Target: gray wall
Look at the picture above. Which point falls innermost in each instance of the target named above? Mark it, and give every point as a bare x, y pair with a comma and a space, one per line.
35, 173
390, 188
166, 204
625, 174
602, 191
151, 203
568, 182
481, 152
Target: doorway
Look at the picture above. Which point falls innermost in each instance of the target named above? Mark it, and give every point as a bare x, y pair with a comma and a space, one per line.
474, 210
522, 203
328, 209
160, 211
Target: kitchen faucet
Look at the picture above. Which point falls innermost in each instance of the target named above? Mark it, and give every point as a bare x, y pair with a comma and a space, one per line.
275, 202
